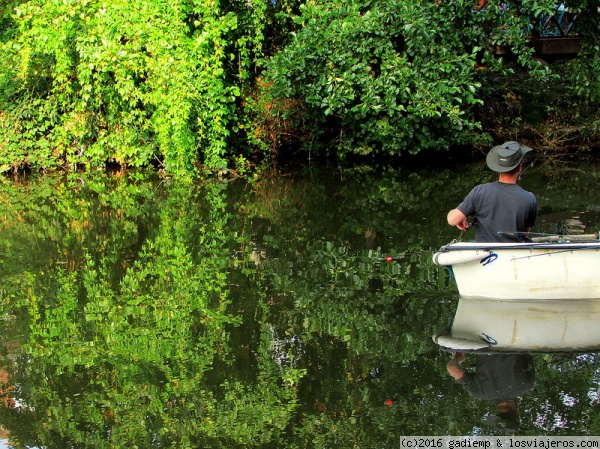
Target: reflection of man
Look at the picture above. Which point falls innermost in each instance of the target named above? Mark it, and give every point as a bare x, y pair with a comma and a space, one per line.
498, 378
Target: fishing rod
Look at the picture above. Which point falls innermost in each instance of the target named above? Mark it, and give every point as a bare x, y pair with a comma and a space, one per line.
547, 238
403, 255
530, 233
556, 251
525, 169
543, 238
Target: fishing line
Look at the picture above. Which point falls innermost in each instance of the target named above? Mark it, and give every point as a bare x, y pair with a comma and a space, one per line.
403, 255
558, 251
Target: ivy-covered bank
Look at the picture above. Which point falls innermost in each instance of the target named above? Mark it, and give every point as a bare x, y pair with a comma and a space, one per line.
191, 84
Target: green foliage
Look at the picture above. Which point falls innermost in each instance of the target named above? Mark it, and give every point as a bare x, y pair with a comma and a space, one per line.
192, 84
402, 76
583, 71
586, 67
394, 76
88, 82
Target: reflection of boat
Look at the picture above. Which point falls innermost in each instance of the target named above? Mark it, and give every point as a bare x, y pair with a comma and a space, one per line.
531, 325
548, 270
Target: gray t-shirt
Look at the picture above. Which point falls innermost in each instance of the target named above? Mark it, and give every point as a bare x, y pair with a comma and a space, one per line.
503, 211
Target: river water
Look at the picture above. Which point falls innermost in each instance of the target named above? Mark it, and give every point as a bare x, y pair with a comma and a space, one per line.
141, 311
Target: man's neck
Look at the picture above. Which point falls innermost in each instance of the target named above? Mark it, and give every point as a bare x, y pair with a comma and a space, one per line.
507, 178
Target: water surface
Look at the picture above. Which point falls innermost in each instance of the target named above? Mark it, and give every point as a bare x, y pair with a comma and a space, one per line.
140, 311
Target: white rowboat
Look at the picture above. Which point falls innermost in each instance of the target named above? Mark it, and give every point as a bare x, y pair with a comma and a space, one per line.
539, 270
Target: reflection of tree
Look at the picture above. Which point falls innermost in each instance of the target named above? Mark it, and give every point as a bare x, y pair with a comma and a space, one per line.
144, 319
121, 340
565, 400
9, 351
361, 327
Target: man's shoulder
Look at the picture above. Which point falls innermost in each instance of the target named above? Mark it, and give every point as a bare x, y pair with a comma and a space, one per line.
526, 192
504, 187
485, 187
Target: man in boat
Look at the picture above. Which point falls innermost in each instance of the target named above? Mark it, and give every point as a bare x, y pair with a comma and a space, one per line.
504, 211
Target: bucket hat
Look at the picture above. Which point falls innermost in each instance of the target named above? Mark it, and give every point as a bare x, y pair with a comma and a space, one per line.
503, 158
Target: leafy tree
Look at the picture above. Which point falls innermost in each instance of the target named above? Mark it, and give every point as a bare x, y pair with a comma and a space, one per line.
90, 82
388, 77
183, 84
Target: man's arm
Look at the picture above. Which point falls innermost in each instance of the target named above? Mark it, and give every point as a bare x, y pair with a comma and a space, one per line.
453, 366
458, 219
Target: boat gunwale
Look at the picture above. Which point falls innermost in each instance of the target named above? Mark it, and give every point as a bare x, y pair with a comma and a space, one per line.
474, 246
